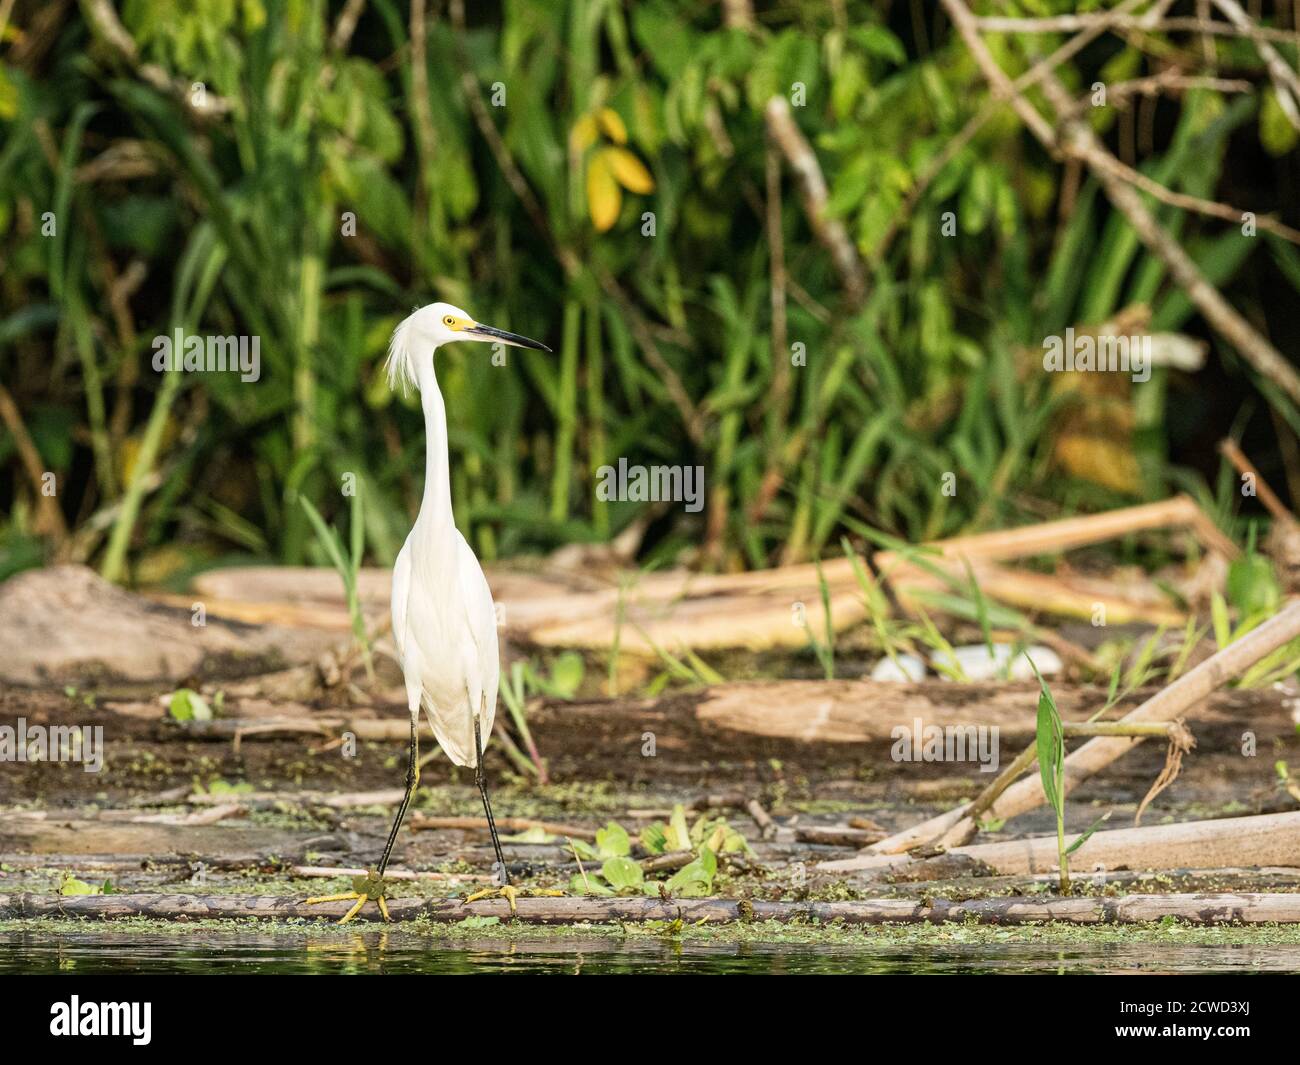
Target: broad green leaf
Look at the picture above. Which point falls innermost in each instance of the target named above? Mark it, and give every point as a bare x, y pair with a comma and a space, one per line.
188, 705
622, 873
612, 841
654, 838
1276, 133
566, 674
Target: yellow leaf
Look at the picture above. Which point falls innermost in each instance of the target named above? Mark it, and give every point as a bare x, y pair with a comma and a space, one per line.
1107, 462
630, 171
612, 123
583, 134
603, 195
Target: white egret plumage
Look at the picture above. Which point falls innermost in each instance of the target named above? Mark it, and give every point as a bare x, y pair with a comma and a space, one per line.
444, 620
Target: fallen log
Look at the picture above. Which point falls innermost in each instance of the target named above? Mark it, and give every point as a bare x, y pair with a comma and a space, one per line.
1179, 698
1207, 909
1266, 839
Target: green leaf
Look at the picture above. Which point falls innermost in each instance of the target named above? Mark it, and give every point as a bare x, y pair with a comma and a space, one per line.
478, 921
188, 705
654, 838
70, 885
612, 841
1276, 133
583, 849
696, 879
678, 835
1083, 836
1252, 586
1222, 625
622, 873
566, 674
1051, 746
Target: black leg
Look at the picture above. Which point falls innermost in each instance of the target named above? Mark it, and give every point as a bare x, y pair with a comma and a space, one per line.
481, 781
412, 779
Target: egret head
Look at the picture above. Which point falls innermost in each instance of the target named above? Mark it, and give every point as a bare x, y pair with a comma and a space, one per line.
427, 329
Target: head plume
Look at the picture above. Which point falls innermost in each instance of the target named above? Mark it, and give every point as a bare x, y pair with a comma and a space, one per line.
401, 356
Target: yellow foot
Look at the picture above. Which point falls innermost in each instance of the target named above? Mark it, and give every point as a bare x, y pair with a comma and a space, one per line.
510, 893
364, 888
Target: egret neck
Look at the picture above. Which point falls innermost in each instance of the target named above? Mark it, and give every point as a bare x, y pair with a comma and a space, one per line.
436, 518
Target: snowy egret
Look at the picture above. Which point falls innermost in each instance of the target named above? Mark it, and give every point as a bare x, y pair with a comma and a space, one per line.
444, 620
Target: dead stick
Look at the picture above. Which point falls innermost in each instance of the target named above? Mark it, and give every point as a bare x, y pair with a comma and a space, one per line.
1121, 728
1229, 450
761, 817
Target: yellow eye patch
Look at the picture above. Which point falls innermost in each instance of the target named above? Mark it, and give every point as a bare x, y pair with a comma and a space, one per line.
456, 324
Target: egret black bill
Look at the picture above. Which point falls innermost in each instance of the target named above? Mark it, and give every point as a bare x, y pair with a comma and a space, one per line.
487, 332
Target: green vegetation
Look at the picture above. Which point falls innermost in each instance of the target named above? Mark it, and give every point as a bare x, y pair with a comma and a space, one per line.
619, 874
599, 174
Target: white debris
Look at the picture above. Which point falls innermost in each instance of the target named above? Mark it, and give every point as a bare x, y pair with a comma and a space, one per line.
977, 664
907, 668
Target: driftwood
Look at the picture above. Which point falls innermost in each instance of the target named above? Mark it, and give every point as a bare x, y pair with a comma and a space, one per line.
1266, 839
65, 624
1225, 908
716, 611
863, 711
1181, 697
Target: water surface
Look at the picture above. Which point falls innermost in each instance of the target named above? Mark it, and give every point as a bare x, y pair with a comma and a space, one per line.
380, 952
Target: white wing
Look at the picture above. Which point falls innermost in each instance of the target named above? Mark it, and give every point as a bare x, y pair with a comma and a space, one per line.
445, 627
482, 614
401, 593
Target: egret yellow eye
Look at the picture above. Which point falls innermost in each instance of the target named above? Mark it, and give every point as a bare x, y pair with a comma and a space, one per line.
449, 320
